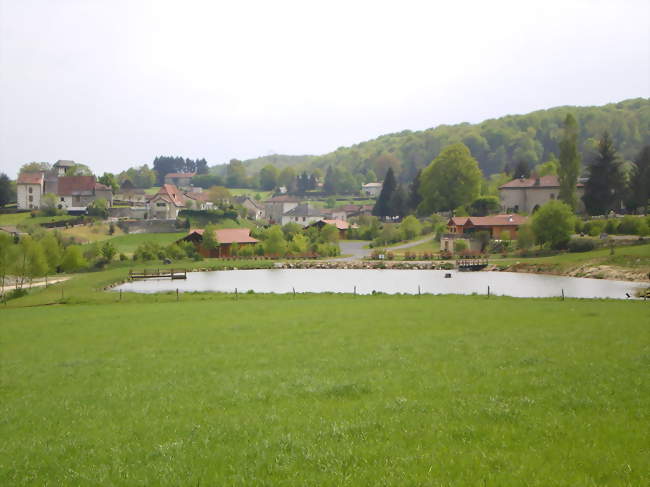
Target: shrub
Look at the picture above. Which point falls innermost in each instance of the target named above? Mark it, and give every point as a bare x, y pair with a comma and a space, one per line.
578, 226
149, 251
553, 224
632, 225
460, 246
581, 245
594, 227
611, 226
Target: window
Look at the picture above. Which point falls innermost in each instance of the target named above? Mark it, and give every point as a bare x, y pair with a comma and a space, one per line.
31, 206
31, 198
31, 190
552, 196
62, 198
160, 205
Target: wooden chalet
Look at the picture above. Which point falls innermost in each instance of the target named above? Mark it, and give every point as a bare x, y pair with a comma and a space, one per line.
494, 225
341, 225
226, 237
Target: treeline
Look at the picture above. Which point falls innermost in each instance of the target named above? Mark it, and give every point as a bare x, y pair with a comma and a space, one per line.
164, 165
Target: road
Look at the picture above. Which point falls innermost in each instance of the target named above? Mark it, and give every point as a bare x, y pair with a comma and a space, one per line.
355, 251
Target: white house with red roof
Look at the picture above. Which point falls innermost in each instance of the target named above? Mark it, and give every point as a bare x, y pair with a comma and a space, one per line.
29, 189
525, 195
166, 203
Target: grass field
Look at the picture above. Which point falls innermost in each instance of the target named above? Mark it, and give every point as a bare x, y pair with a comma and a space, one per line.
326, 390
128, 243
25, 218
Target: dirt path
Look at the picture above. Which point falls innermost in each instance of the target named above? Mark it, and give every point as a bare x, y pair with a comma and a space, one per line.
11, 285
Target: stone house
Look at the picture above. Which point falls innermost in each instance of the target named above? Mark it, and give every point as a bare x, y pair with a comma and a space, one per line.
526, 195
371, 189
303, 214
29, 189
77, 192
166, 203
277, 206
254, 209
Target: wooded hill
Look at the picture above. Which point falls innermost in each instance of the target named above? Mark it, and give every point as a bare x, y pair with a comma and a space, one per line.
495, 143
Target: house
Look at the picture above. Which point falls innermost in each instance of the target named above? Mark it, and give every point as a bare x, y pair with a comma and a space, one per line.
334, 213
356, 210
277, 206
371, 189
75, 193
341, 225
226, 237
498, 227
130, 194
166, 203
254, 209
62, 167
29, 189
199, 200
526, 195
302, 214
180, 179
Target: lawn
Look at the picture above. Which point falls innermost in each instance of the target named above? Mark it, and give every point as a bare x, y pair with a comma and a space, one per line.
128, 243
26, 218
264, 195
326, 390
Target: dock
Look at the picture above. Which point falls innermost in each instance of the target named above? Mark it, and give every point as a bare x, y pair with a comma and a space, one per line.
471, 264
158, 274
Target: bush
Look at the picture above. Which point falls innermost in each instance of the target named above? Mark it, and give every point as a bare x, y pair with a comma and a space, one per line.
611, 226
149, 251
594, 227
460, 246
633, 225
553, 224
15, 293
578, 226
581, 245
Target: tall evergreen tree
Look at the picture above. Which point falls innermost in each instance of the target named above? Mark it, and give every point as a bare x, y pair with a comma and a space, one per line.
414, 197
522, 170
5, 190
639, 197
329, 186
604, 188
398, 205
569, 167
382, 205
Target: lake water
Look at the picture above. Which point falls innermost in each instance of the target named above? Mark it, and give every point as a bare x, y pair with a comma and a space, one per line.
388, 281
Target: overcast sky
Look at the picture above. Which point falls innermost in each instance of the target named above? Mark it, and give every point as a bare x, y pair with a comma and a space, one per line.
114, 83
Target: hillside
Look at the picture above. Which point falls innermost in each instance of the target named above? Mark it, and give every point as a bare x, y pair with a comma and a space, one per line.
495, 143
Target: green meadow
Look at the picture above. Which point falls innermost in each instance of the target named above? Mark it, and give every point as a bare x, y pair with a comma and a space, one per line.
322, 390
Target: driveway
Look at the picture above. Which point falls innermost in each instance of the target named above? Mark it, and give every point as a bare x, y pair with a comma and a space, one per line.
354, 248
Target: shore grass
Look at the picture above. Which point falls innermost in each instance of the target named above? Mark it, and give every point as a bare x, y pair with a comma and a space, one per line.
325, 390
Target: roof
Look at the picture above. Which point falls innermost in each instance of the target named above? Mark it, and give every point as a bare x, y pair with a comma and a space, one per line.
550, 181
340, 224
285, 198
171, 194
64, 163
205, 197
372, 185
489, 221
69, 185
240, 200
30, 178
304, 209
101, 187
230, 235
180, 175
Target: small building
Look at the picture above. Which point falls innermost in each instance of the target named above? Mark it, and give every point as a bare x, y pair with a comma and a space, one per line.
303, 214
526, 195
341, 225
277, 206
226, 237
254, 209
465, 228
199, 201
166, 203
62, 167
371, 189
334, 213
29, 189
77, 192
181, 180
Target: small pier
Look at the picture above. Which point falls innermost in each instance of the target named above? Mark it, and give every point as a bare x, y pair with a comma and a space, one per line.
158, 273
471, 264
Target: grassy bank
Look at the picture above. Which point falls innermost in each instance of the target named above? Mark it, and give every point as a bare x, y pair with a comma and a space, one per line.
325, 390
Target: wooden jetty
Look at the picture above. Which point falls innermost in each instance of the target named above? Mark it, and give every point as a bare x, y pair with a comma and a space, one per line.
471, 264
158, 273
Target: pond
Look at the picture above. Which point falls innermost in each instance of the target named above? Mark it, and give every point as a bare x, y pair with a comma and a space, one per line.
388, 281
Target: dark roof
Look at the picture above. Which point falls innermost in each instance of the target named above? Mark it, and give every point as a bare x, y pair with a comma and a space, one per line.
489, 221
69, 185
30, 178
304, 209
549, 181
64, 163
240, 200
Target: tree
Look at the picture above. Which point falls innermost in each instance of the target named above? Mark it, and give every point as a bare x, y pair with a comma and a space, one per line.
52, 252
329, 186
210, 240
415, 198
522, 170
73, 259
553, 224
398, 204
410, 227
569, 165
268, 177
275, 245
108, 251
218, 195
453, 179
604, 188
329, 234
371, 177
48, 204
99, 208
109, 179
7, 257
525, 237
299, 244
287, 178
236, 174
460, 246
35, 167
640, 181
382, 206
6, 191
202, 166
484, 205
29, 262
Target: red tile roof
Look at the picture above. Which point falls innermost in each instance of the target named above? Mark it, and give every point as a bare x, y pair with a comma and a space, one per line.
170, 193
230, 235
30, 178
340, 224
68, 185
549, 181
180, 175
497, 220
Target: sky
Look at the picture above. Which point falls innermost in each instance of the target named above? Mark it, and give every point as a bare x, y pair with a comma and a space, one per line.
114, 83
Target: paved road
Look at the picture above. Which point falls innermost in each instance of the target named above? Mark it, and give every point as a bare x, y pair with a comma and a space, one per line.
355, 250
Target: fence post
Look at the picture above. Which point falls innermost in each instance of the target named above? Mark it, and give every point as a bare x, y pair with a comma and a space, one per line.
419, 290
177, 298
236, 296
488, 291
562, 294
355, 290
294, 292
120, 295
